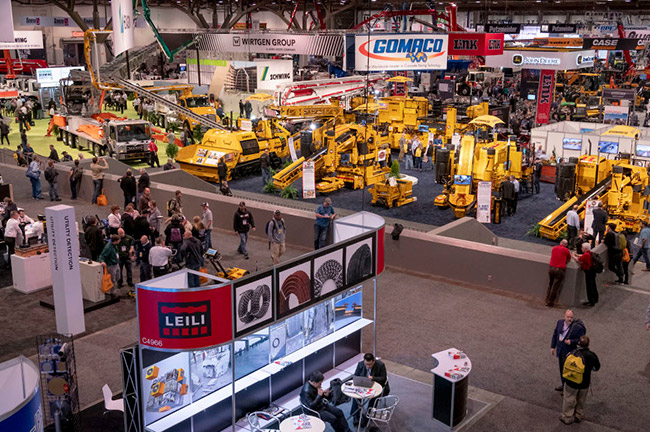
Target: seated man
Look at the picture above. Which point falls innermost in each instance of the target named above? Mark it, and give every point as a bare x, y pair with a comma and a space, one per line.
314, 397
374, 369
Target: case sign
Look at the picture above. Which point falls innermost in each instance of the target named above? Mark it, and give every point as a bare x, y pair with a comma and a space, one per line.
401, 52
184, 319
475, 44
613, 44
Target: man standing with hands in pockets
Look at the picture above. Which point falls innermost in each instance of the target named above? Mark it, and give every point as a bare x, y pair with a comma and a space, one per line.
324, 215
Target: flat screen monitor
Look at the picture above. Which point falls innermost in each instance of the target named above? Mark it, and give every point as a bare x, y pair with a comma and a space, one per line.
609, 147
531, 97
462, 180
183, 67
572, 144
643, 150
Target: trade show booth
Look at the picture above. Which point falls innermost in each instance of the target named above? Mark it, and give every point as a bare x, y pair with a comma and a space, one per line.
573, 139
20, 405
209, 355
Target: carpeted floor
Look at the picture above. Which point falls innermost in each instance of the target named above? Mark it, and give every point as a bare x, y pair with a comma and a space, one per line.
530, 210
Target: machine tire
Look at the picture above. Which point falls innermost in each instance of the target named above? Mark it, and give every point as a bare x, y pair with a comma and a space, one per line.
94, 147
464, 90
360, 265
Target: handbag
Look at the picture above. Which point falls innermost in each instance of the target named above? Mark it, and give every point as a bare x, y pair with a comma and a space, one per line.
102, 200
203, 279
626, 255
107, 282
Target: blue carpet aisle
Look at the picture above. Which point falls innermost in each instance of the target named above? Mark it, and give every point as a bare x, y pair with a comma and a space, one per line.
530, 210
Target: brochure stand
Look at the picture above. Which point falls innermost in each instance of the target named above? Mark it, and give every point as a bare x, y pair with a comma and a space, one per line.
450, 384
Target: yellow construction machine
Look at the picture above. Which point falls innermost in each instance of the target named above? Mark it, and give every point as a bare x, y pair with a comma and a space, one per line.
618, 184
392, 192
240, 150
477, 159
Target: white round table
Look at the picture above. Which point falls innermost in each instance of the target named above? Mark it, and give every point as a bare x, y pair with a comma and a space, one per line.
350, 390
317, 425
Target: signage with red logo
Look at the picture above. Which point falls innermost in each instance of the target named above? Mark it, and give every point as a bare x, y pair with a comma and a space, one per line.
475, 44
184, 319
545, 95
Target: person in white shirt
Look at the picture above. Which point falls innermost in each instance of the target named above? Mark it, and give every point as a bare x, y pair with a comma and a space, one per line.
573, 225
515, 182
13, 234
159, 258
23, 218
114, 220
207, 221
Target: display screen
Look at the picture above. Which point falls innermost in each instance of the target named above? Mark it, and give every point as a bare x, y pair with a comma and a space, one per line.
211, 370
531, 97
572, 144
462, 180
609, 147
165, 386
347, 308
585, 130
643, 150
182, 67
50, 77
251, 353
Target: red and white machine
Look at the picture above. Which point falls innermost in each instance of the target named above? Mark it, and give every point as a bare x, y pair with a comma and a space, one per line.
320, 91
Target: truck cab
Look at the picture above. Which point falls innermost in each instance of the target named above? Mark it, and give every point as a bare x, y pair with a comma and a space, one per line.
200, 104
127, 139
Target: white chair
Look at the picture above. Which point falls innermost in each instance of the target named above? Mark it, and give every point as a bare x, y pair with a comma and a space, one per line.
109, 403
254, 421
382, 411
309, 411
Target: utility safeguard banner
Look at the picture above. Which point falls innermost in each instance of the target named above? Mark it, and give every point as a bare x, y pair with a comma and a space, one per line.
401, 52
475, 44
272, 43
123, 25
272, 73
545, 95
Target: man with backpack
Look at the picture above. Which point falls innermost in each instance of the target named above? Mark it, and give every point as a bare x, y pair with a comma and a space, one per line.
175, 205
577, 378
565, 339
174, 234
276, 231
50, 175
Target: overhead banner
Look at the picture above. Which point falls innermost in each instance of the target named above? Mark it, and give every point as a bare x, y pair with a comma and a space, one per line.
502, 28
272, 43
559, 28
484, 202
31, 39
401, 52
272, 73
627, 44
6, 21
640, 33
620, 94
308, 180
184, 319
554, 60
123, 23
475, 44
545, 96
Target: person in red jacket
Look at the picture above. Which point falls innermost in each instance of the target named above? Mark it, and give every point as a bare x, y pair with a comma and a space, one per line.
560, 256
586, 264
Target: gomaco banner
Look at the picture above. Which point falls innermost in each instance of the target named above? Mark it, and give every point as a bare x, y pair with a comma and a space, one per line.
475, 44
545, 95
401, 52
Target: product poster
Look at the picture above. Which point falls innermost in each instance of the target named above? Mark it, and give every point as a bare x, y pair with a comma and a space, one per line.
328, 273
210, 370
483, 202
359, 261
253, 303
287, 337
319, 321
589, 216
294, 288
165, 387
616, 115
308, 180
348, 308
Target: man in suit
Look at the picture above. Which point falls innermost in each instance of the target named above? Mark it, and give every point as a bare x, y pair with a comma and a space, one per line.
508, 195
599, 223
314, 397
374, 369
565, 339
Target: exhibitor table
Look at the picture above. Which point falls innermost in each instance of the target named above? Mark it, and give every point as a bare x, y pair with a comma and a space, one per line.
450, 384
317, 425
363, 394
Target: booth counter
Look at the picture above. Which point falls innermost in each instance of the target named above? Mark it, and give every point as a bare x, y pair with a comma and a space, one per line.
450, 386
20, 405
31, 273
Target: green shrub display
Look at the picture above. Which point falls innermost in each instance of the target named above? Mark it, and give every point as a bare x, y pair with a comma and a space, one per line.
171, 150
269, 187
394, 169
289, 192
